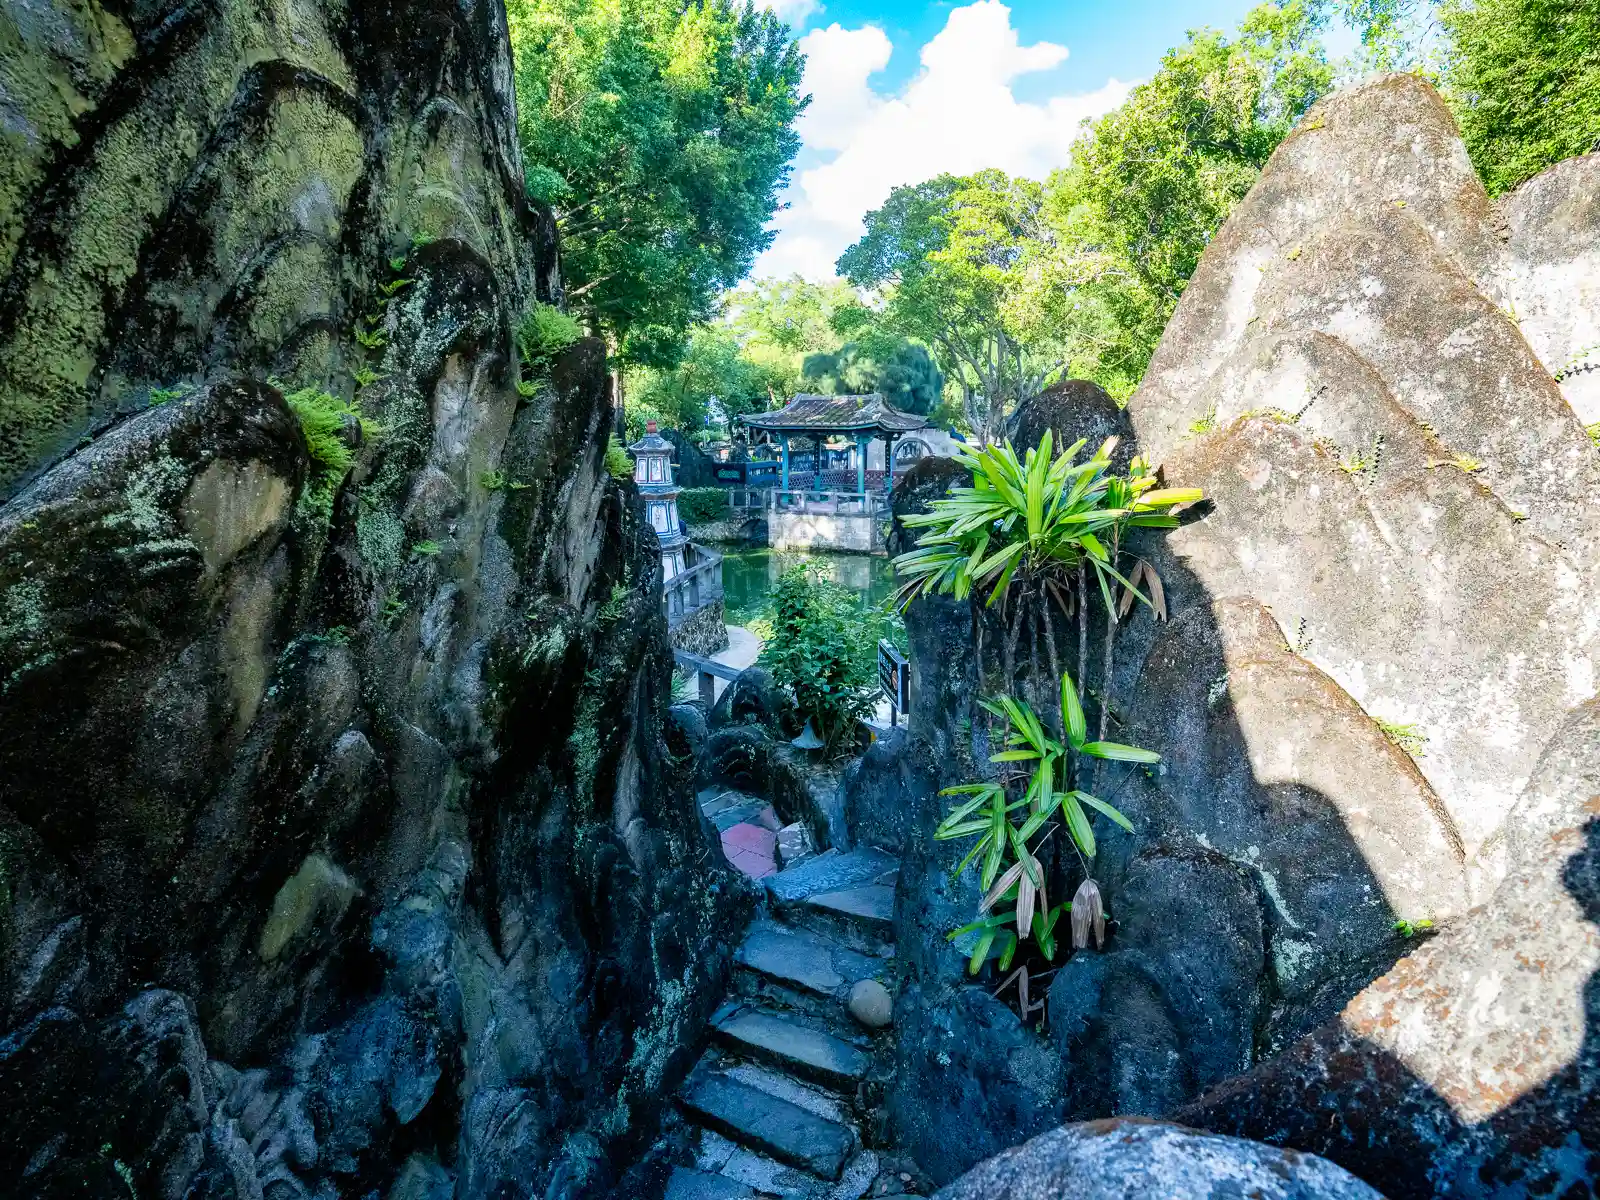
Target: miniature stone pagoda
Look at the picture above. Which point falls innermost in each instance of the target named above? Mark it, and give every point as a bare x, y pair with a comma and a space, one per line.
652, 471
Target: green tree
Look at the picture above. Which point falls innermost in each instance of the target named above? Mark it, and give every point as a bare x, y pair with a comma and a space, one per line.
660, 131
903, 372
1523, 77
1161, 173
714, 381
793, 316
821, 652
954, 259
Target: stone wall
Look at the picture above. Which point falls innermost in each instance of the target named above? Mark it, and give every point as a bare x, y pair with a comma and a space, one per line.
822, 531
342, 851
702, 632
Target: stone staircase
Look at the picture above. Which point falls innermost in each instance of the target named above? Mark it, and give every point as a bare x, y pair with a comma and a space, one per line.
779, 1096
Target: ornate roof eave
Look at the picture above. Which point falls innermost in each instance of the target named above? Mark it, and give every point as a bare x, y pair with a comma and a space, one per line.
814, 414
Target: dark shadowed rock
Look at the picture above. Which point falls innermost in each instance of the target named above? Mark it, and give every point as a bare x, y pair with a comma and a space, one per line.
343, 850
754, 698
1071, 410
1125, 1160
1472, 1067
969, 1080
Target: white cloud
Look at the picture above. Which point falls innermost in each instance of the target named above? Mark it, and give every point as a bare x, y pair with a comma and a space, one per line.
959, 114
794, 12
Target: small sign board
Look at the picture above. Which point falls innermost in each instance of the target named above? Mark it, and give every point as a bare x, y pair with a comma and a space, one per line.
894, 675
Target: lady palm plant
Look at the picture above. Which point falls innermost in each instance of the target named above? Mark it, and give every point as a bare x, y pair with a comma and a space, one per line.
1030, 527
1034, 517
1013, 816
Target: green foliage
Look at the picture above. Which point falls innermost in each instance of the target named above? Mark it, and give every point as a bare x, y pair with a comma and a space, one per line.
616, 604
163, 395
716, 380
957, 260
323, 419
1011, 283
1014, 815
1409, 738
1523, 78
365, 376
816, 653
543, 333
618, 463
1157, 177
1594, 433
701, 505
1411, 929
903, 372
661, 133
1034, 518
492, 481
425, 549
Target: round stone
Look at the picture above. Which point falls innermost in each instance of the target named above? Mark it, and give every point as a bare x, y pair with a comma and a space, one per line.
870, 1004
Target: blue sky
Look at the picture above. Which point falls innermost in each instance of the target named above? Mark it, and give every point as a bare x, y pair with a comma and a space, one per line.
1106, 38
905, 89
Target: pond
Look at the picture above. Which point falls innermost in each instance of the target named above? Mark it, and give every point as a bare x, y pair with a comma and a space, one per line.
749, 577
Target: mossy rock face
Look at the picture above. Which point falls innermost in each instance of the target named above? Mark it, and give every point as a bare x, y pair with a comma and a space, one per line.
337, 793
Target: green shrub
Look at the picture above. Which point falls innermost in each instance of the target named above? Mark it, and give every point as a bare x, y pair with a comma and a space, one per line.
701, 505
544, 332
815, 653
618, 464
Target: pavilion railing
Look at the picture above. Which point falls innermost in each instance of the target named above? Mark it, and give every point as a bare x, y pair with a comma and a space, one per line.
747, 500
839, 504
698, 584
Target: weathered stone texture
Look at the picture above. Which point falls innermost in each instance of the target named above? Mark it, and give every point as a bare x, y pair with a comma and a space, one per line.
1395, 472
1121, 1160
342, 851
1470, 1068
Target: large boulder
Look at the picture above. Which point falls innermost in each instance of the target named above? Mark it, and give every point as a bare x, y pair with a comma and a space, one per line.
1071, 410
1129, 1159
1374, 620
1552, 266
342, 848
1391, 467
1473, 1067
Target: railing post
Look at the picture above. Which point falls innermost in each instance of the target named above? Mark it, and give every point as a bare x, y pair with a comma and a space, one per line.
708, 690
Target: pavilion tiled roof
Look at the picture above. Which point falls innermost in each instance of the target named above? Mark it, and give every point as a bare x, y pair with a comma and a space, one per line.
836, 414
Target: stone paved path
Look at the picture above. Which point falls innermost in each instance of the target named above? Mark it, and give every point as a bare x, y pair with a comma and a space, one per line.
780, 1096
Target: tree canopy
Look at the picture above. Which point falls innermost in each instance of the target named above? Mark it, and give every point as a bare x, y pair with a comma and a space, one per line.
1523, 77
660, 132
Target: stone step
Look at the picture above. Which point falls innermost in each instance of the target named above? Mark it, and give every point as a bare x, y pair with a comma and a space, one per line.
831, 871
698, 1185
771, 1125
870, 906
768, 1177
810, 971
784, 1043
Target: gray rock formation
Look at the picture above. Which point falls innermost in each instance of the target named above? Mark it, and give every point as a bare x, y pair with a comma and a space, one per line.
1122, 1160
1378, 616
342, 851
1472, 1067
1395, 472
